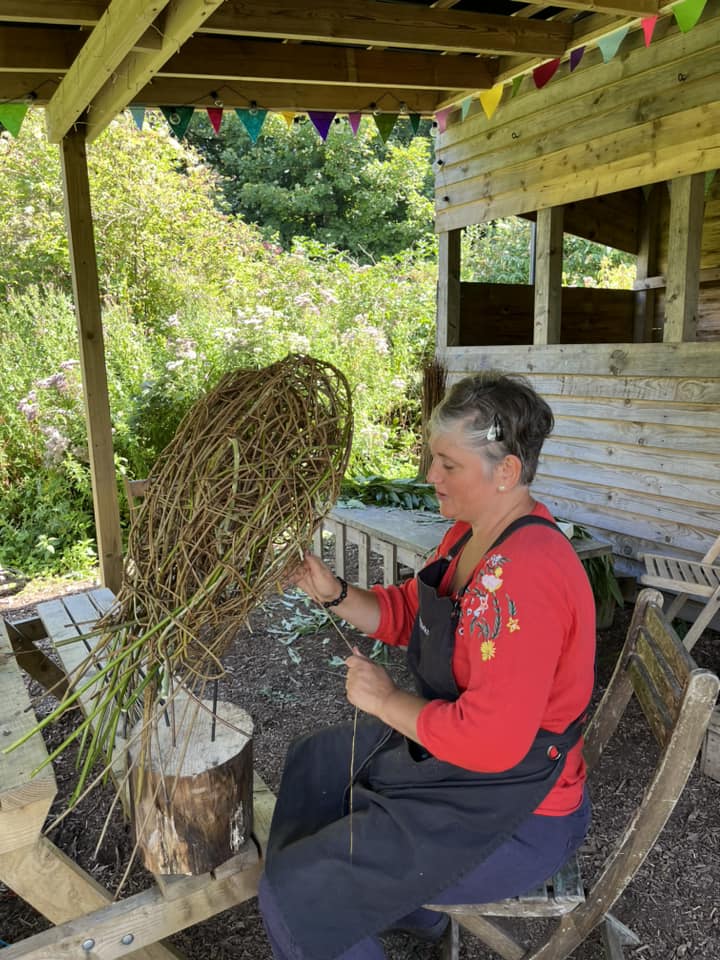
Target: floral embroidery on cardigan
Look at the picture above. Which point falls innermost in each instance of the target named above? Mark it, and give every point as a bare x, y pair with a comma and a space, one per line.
486, 607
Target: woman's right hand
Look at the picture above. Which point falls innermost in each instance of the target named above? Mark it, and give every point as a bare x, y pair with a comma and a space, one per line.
316, 579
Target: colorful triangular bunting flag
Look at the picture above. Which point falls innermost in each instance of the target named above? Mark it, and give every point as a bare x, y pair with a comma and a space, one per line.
415, 123
575, 57
354, 121
385, 123
545, 72
442, 118
215, 115
515, 86
688, 13
178, 118
138, 115
12, 116
321, 121
288, 117
465, 106
610, 44
253, 120
648, 25
490, 99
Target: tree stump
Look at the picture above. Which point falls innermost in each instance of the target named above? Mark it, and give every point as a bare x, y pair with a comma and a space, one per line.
192, 799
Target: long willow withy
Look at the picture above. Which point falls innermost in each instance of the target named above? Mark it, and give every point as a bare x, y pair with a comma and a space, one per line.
231, 502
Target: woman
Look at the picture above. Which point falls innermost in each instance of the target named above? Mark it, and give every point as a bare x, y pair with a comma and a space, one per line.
471, 789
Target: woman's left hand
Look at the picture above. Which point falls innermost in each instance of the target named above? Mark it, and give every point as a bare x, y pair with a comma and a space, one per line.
368, 685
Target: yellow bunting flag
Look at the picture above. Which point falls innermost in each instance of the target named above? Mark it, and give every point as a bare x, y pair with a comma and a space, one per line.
490, 99
288, 118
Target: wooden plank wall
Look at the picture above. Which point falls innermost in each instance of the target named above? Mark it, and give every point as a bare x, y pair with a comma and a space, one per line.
649, 115
502, 313
635, 455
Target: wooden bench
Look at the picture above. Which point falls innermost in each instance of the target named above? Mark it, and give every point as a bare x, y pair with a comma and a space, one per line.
676, 698
88, 921
404, 537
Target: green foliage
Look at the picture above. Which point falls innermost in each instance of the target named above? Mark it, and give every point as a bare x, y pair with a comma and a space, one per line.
409, 494
354, 193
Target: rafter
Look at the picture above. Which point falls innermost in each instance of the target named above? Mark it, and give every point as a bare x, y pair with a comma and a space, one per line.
180, 20
122, 24
390, 25
288, 97
231, 60
85, 13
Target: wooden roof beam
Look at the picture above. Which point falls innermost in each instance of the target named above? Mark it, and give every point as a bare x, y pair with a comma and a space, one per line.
618, 8
84, 13
230, 60
375, 23
291, 97
120, 27
180, 20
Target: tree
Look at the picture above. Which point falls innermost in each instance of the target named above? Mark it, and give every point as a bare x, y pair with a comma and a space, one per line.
355, 193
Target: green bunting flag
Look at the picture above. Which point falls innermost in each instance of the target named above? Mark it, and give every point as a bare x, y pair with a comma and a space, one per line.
465, 106
688, 13
610, 44
253, 120
515, 86
415, 123
138, 115
12, 116
709, 177
385, 123
178, 118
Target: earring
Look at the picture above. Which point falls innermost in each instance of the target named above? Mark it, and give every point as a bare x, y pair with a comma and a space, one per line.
501, 487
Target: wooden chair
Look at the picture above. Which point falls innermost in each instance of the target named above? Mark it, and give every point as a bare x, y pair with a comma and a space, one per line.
677, 699
698, 580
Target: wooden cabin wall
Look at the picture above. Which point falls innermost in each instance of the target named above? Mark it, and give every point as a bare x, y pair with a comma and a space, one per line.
502, 313
635, 454
649, 115
708, 312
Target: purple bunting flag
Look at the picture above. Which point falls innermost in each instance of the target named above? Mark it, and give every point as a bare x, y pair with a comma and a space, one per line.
575, 57
354, 121
321, 121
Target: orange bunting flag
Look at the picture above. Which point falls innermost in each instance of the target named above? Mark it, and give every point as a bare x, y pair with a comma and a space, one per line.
215, 115
490, 99
442, 118
545, 72
648, 25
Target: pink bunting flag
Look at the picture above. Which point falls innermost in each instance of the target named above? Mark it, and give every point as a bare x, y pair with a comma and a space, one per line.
442, 118
354, 121
321, 121
215, 115
575, 57
648, 25
545, 72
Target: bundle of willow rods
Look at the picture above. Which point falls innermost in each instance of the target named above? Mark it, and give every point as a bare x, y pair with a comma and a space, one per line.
230, 505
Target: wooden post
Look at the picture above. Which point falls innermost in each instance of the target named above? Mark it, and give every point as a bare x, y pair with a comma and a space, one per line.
448, 295
548, 275
83, 262
682, 286
647, 267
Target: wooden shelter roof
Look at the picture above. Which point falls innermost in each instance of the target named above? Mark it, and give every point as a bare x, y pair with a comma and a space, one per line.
86, 60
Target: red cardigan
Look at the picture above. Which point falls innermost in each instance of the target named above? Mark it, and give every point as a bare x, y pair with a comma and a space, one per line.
524, 655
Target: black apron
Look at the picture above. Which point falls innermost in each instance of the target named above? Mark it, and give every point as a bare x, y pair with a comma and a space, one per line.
417, 824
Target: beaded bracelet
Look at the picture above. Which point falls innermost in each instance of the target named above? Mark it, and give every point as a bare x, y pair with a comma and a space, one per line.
343, 594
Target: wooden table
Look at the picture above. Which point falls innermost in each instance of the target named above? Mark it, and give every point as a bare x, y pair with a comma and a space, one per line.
88, 923
405, 538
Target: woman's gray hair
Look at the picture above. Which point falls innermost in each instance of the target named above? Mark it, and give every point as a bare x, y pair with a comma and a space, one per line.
498, 413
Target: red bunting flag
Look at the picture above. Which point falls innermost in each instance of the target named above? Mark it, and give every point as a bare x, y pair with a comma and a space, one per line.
545, 72
215, 115
648, 25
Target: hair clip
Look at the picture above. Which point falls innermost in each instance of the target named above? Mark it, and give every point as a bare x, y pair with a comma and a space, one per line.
495, 430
